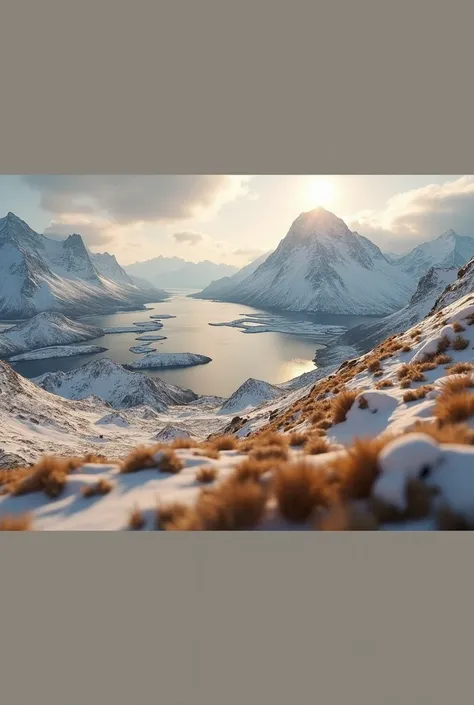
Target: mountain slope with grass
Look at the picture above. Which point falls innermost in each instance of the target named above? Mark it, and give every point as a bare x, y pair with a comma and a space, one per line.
386, 441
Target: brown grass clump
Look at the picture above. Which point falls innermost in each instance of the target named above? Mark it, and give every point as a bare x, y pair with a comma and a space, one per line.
316, 416
460, 343
269, 453
183, 443
136, 520
344, 516
300, 489
383, 384
406, 348
101, 487
141, 458
454, 385
170, 514
342, 403
428, 366
373, 365
271, 439
168, 461
419, 498
16, 522
415, 333
405, 383
378, 374
419, 393
298, 439
94, 458
358, 468
470, 319
207, 452
443, 359
317, 446
253, 469
454, 408
447, 433
206, 475
411, 372
225, 443
363, 403
459, 367
457, 327
443, 345
49, 475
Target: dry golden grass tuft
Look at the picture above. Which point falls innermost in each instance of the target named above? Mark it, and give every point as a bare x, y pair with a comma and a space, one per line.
443, 359
358, 469
443, 345
317, 446
419, 393
183, 443
207, 451
405, 383
206, 475
298, 439
342, 403
446, 433
459, 367
363, 403
299, 490
225, 443
415, 333
383, 384
454, 384
141, 458
344, 516
411, 372
457, 327
169, 515
269, 453
455, 408
101, 487
252, 469
16, 522
168, 461
49, 475
95, 458
428, 366
373, 365
136, 520
460, 343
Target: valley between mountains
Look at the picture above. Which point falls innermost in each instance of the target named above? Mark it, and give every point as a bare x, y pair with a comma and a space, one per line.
378, 434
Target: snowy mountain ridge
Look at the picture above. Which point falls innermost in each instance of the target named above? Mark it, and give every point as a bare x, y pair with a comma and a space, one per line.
321, 266
41, 274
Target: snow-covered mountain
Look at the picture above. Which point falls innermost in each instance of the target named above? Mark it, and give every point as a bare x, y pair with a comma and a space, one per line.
252, 393
44, 330
462, 285
220, 287
174, 272
115, 385
321, 266
41, 274
367, 335
448, 250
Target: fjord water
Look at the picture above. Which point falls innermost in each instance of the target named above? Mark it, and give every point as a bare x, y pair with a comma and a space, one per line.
236, 356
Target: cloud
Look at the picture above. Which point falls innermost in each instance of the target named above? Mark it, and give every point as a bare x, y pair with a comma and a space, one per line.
129, 199
249, 253
421, 214
189, 236
93, 232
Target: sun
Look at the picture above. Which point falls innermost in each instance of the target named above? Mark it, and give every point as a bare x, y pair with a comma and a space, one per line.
320, 191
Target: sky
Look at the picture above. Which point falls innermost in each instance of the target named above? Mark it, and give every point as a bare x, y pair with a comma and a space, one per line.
233, 219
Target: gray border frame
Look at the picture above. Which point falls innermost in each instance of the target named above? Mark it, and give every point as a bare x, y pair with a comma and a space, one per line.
236, 619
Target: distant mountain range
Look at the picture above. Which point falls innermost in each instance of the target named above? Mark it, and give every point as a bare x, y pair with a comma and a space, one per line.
41, 274
321, 266
174, 272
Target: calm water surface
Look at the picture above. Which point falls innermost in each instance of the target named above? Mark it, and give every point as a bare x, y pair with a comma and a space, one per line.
236, 356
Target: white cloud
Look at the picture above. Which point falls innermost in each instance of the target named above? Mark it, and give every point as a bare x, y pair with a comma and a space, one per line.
129, 199
420, 214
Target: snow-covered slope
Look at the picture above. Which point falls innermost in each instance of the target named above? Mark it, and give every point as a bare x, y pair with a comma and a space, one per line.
41, 274
175, 272
367, 335
45, 330
219, 287
321, 266
251, 393
57, 351
462, 285
114, 384
448, 250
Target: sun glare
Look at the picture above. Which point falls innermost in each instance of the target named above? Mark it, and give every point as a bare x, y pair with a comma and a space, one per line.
320, 192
